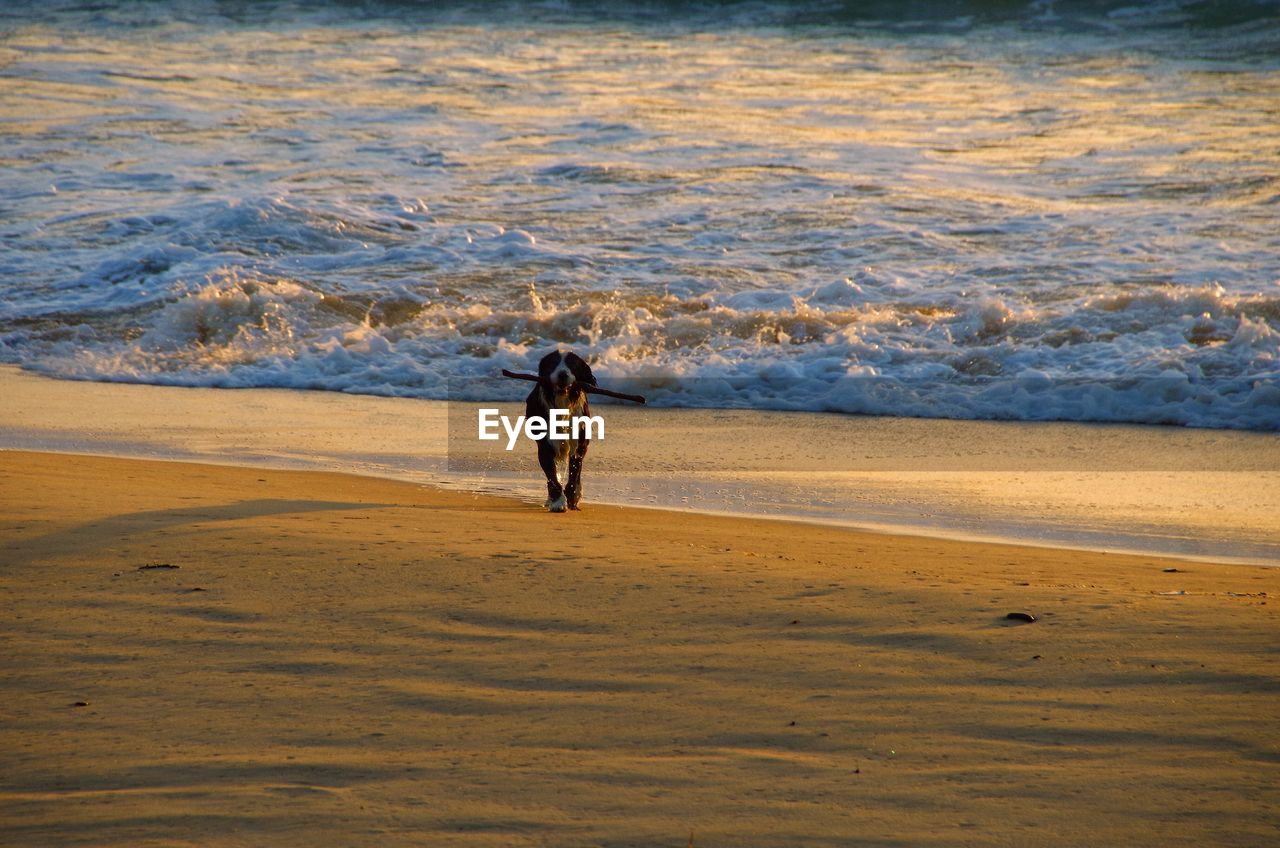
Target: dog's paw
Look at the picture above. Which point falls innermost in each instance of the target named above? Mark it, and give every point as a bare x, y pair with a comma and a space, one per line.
557, 505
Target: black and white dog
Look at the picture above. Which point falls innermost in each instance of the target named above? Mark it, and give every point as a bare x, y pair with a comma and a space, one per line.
562, 374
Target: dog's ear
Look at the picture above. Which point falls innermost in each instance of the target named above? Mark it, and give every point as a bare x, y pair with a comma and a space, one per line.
581, 370
548, 363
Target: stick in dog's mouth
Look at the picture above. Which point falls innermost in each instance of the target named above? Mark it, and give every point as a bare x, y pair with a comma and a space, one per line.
584, 387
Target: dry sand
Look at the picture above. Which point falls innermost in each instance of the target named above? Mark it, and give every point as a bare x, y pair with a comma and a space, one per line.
338, 660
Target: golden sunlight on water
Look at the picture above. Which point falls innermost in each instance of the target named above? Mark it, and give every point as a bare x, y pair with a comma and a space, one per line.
1016, 220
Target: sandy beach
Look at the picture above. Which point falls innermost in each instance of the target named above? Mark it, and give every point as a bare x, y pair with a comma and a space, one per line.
201, 655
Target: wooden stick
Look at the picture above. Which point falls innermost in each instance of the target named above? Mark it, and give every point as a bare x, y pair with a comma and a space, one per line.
586, 387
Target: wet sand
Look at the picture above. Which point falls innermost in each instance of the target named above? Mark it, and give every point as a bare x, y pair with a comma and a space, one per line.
1169, 490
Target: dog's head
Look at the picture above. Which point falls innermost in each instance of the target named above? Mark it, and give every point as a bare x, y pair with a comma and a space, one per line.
562, 370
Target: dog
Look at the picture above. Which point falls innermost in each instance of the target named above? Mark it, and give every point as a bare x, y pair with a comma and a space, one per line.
563, 374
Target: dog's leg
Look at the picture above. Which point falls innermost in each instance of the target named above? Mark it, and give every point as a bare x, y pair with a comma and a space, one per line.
555, 492
573, 491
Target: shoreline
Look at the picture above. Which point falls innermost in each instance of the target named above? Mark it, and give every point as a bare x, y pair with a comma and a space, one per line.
1198, 495
224, 655
917, 531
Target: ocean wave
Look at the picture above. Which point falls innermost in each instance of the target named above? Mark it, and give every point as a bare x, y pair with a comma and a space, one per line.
942, 15
1153, 355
